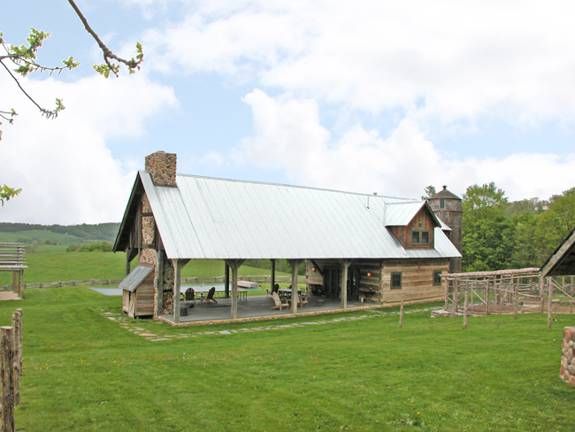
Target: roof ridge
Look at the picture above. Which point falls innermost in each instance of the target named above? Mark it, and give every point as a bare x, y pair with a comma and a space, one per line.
374, 195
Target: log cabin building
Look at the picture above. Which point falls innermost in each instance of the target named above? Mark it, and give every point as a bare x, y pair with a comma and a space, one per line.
358, 249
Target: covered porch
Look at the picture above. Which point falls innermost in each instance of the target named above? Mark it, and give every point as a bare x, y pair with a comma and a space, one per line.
235, 304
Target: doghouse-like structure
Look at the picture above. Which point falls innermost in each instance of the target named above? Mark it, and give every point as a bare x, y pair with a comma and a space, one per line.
138, 292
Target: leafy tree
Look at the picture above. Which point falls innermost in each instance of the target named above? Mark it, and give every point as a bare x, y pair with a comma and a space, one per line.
21, 60
7, 193
488, 234
428, 192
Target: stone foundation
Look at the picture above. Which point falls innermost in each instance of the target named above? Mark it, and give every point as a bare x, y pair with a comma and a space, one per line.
567, 371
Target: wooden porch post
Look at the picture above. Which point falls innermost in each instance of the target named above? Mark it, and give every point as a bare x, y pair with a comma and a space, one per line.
234, 264
227, 280
273, 276
159, 284
176, 292
294, 279
343, 283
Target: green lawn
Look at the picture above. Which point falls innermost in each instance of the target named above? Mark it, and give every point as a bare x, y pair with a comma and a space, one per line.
85, 372
53, 263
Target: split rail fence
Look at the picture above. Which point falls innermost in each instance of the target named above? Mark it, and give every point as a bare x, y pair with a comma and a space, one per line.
107, 282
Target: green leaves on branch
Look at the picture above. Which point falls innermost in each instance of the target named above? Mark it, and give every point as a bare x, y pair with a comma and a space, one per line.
112, 62
7, 193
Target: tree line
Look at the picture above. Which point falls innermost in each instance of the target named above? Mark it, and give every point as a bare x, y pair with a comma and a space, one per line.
499, 234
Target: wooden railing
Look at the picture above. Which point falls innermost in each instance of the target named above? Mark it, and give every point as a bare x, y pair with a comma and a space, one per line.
12, 256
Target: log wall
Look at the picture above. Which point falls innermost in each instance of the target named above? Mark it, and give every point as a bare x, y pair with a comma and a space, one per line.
370, 279
416, 280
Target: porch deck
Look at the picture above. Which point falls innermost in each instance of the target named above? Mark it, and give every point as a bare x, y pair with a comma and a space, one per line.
258, 307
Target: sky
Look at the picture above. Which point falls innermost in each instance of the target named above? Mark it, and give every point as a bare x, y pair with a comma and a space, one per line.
368, 96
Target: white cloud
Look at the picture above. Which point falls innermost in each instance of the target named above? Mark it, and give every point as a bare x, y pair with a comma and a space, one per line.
450, 59
288, 135
64, 166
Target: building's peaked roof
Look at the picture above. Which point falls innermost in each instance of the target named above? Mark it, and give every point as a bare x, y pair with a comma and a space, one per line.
135, 278
401, 213
562, 261
212, 218
444, 193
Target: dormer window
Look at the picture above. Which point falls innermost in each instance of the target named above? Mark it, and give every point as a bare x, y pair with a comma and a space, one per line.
419, 237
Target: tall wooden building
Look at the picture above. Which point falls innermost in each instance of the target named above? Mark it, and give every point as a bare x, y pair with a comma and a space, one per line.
357, 247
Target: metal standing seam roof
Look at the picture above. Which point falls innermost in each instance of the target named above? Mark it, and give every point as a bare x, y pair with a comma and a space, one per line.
135, 278
211, 218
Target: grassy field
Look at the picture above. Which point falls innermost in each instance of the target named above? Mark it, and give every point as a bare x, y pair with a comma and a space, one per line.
85, 372
53, 263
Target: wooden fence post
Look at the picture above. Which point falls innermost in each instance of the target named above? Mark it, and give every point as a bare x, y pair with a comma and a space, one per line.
465, 305
549, 302
515, 298
401, 314
17, 361
6, 377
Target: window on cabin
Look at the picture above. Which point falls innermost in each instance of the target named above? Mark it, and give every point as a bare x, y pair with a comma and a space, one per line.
437, 277
419, 237
396, 280
441, 203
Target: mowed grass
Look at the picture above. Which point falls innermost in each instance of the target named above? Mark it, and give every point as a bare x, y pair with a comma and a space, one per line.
53, 263
83, 372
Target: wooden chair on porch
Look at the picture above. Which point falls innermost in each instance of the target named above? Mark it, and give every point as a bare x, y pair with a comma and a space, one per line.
301, 300
278, 305
210, 297
190, 297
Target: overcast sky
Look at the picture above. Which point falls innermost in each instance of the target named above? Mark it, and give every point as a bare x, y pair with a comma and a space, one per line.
386, 96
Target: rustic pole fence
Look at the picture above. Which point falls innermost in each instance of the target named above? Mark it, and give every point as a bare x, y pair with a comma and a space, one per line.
401, 315
10, 370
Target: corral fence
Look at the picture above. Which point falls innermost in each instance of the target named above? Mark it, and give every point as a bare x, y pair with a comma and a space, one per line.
260, 279
11, 345
508, 291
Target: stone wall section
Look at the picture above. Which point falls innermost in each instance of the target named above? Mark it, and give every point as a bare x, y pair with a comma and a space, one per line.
567, 370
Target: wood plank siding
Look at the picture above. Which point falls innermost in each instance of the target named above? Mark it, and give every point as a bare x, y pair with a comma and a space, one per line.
416, 280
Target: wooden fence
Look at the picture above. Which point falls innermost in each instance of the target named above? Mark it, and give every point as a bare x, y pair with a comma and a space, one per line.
508, 291
188, 280
10, 370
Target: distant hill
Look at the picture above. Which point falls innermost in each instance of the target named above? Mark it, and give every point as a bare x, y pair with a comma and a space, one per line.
57, 234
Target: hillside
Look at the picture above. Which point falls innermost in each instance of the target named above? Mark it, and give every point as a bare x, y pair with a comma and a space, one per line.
57, 234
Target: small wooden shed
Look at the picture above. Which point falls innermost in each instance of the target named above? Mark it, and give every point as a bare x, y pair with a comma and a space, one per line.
138, 292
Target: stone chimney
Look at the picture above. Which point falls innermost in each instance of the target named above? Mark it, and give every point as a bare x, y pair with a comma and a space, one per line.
162, 168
